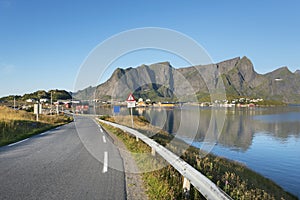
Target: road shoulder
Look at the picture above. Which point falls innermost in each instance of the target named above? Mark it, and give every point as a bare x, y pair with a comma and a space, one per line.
135, 189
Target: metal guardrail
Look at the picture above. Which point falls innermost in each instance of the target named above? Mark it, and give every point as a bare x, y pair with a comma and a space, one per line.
205, 186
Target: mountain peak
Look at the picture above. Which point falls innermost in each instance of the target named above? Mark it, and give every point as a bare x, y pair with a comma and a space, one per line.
245, 59
166, 63
160, 81
283, 69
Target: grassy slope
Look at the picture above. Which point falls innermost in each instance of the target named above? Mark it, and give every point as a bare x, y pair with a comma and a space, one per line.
234, 178
164, 183
18, 125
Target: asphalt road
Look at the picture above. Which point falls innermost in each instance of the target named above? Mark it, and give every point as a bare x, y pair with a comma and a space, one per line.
70, 162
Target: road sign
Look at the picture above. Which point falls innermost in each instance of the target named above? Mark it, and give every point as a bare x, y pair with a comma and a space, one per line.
116, 109
131, 104
131, 101
130, 98
37, 108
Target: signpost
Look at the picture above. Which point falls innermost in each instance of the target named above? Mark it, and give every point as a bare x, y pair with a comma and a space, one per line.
37, 109
131, 104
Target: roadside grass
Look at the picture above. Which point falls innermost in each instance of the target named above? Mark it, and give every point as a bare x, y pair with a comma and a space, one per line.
162, 181
16, 125
234, 178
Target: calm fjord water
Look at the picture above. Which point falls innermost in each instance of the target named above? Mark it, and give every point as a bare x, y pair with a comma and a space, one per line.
266, 140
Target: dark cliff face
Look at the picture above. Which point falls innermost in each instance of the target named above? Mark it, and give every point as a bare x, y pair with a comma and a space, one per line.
283, 85
161, 81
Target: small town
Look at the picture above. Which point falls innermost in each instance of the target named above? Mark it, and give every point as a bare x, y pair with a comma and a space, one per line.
237, 102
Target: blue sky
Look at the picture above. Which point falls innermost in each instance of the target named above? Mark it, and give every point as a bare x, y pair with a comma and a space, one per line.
43, 43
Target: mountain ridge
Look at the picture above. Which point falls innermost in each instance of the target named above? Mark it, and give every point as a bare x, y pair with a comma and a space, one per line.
161, 81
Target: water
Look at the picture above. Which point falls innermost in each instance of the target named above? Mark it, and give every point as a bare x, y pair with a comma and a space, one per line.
267, 140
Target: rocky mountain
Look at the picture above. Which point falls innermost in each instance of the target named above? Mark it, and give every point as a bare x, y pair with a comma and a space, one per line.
161, 81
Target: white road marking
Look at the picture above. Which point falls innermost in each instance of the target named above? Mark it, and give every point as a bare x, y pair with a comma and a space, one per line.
99, 126
105, 162
104, 139
10, 145
47, 132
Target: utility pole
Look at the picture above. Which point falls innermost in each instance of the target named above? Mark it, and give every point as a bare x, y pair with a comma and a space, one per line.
38, 110
14, 102
51, 104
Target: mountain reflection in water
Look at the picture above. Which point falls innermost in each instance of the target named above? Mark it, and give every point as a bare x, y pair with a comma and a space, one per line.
267, 140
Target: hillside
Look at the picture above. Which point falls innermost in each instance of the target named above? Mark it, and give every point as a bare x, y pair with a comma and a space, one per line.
40, 94
163, 82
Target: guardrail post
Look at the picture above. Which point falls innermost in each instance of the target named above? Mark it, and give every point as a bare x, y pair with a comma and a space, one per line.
152, 151
186, 188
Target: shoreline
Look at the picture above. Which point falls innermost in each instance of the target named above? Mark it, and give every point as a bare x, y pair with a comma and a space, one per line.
220, 169
191, 104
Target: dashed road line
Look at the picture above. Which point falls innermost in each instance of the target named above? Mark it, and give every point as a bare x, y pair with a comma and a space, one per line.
105, 162
99, 126
104, 139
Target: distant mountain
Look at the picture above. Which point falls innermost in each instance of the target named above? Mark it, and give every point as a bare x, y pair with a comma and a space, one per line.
40, 94
161, 81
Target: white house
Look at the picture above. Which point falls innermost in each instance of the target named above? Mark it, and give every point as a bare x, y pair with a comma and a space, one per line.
140, 100
30, 100
44, 100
